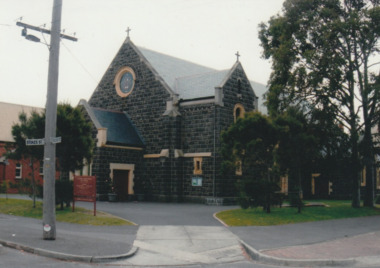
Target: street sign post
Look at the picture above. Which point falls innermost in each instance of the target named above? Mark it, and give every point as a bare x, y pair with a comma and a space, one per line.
30, 142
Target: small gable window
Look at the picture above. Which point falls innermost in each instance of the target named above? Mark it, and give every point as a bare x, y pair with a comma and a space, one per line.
239, 112
239, 86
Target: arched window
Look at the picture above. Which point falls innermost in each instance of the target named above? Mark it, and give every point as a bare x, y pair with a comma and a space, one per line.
239, 111
239, 86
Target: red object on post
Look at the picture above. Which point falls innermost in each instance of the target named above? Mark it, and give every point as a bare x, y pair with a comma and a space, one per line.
85, 190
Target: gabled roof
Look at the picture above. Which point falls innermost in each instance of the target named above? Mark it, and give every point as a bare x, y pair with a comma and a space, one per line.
9, 114
199, 85
120, 129
170, 68
190, 80
187, 79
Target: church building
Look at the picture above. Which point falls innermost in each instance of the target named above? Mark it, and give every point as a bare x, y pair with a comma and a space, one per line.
157, 121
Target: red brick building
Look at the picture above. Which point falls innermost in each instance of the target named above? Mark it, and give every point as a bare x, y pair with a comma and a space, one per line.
14, 172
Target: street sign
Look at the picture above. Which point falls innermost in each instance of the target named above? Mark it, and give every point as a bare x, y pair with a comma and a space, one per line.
30, 142
55, 140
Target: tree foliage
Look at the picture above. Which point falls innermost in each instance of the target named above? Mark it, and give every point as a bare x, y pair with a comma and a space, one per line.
291, 144
250, 146
322, 56
77, 143
297, 146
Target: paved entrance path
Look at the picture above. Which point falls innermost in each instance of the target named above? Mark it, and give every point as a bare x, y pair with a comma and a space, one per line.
181, 245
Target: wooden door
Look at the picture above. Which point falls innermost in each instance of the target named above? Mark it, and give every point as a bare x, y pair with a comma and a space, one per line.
120, 179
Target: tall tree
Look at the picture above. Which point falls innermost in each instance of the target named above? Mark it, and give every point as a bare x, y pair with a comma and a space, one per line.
321, 55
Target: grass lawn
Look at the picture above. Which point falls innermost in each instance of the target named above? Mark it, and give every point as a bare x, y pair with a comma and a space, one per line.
287, 215
25, 208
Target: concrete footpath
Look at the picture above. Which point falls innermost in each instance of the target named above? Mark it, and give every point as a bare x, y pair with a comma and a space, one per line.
73, 242
346, 243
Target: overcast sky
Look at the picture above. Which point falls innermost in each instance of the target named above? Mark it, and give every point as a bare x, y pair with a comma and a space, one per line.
207, 32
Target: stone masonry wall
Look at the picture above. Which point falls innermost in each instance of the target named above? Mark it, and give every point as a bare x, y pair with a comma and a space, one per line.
145, 105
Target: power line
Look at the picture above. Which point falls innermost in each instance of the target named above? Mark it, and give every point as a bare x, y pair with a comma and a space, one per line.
79, 62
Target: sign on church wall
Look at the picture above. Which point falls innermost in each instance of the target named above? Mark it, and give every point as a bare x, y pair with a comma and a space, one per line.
196, 181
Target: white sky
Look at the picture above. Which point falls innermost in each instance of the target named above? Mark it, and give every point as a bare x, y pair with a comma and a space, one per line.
207, 32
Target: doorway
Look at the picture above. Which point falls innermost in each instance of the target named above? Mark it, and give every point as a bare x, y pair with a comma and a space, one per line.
122, 177
120, 181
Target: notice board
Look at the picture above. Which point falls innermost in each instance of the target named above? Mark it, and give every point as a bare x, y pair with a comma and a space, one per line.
85, 190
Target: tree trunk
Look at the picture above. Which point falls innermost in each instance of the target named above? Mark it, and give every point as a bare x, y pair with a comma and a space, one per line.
300, 192
370, 166
355, 170
33, 183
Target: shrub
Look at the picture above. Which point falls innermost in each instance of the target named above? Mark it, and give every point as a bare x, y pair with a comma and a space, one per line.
63, 192
377, 201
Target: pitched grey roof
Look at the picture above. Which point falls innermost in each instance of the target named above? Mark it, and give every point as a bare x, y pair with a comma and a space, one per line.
170, 68
120, 129
190, 80
260, 90
199, 85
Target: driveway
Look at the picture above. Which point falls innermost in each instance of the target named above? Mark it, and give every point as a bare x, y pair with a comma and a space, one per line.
148, 213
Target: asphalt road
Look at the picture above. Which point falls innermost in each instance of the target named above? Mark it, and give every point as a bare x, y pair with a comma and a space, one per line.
147, 213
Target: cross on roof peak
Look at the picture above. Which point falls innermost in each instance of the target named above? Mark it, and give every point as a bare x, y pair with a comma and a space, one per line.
237, 56
128, 30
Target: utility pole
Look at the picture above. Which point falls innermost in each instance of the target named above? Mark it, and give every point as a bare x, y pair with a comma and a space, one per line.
49, 226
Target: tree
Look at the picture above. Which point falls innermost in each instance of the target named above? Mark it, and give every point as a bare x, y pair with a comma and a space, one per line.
74, 151
28, 128
321, 55
250, 145
77, 144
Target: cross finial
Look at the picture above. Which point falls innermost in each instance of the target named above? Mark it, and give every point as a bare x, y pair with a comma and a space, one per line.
128, 30
237, 56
